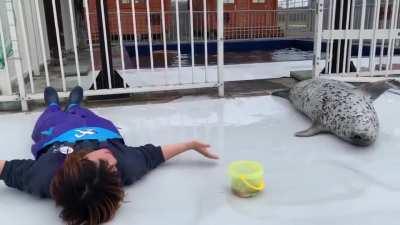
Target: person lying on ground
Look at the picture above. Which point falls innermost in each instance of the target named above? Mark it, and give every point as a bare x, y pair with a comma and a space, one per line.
82, 162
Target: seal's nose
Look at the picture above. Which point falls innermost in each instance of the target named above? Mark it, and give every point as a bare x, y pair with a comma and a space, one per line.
361, 139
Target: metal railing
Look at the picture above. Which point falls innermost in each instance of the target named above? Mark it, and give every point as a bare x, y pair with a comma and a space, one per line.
60, 47
238, 25
63, 50
360, 42
71, 69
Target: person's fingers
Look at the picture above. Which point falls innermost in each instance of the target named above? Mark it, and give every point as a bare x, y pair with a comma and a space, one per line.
213, 156
210, 154
205, 145
202, 144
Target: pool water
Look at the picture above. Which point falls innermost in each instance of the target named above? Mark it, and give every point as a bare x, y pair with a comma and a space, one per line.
230, 57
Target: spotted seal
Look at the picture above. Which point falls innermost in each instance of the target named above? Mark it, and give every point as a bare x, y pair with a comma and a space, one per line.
339, 108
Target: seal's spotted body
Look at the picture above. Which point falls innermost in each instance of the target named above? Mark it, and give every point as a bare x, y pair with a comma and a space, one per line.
336, 107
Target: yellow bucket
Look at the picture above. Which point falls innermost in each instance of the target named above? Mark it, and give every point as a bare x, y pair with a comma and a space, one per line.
247, 178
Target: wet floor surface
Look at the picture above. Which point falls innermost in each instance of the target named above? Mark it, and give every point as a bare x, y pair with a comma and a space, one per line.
316, 180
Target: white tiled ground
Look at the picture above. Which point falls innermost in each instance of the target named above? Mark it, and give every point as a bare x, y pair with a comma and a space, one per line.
317, 180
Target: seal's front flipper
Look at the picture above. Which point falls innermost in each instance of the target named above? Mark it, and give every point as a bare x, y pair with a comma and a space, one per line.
313, 130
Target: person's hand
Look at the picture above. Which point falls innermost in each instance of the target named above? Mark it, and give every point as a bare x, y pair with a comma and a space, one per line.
2, 163
171, 150
203, 149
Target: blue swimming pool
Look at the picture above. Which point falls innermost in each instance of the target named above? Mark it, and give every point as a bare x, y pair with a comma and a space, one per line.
235, 52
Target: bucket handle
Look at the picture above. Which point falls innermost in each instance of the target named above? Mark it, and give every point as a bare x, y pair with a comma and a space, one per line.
257, 188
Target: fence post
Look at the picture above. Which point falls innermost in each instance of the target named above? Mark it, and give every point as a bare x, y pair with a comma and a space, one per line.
287, 19
16, 57
319, 13
220, 39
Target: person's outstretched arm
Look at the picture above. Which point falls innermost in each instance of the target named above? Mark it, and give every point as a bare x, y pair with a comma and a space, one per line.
172, 150
151, 156
137, 161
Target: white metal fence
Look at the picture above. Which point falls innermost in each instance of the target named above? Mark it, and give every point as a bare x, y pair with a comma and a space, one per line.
238, 25
357, 39
63, 50
29, 36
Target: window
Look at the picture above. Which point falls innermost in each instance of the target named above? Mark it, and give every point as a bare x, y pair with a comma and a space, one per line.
284, 4
258, 1
229, 1
129, 1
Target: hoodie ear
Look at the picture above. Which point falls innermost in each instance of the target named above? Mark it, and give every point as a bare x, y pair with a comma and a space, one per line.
376, 89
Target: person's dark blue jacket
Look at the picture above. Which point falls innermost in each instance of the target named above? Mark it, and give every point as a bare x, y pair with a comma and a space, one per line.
35, 176
80, 129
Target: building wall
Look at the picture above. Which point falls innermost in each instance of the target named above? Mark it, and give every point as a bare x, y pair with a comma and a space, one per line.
127, 19
241, 17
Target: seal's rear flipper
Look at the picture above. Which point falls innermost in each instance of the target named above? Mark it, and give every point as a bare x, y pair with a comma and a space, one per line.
313, 130
375, 89
284, 93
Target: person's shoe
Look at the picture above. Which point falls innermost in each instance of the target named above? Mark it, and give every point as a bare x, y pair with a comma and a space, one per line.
51, 96
75, 97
